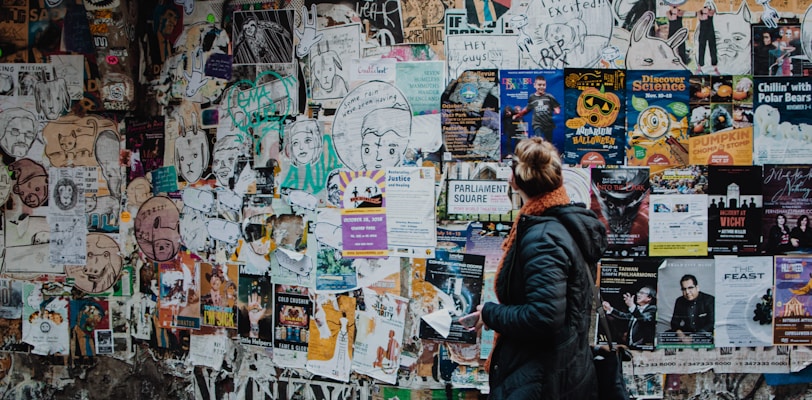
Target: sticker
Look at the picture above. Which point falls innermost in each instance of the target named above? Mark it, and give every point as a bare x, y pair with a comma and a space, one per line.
125, 217
112, 60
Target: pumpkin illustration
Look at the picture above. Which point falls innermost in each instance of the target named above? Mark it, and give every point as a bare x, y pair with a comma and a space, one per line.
599, 109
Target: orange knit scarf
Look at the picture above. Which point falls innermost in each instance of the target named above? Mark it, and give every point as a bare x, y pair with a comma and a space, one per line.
535, 206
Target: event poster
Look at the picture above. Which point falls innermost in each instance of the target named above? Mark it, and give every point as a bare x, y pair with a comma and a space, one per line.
778, 135
532, 105
219, 294
332, 334
792, 323
255, 315
620, 198
479, 197
596, 135
787, 208
743, 301
378, 343
459, 276
363, 213
291, 328
729, 147
629, 292
678, 225
734, 209
411, 227
470, 116
685, 303
657, 117
721, 120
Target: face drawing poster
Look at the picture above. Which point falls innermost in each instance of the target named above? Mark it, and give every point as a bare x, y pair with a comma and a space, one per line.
363, 214
532, 104
470, 116
787, 209
103, 267
330, 62
620, 198
596, 135
291, 328
332, 334
458, 276
686, 303
218, 285
263, 37
778, 136
379, 337
657, 117
255, 313
734, 209
743, 301
792, 324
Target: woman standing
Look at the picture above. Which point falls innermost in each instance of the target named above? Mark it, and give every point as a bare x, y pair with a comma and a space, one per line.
542, 320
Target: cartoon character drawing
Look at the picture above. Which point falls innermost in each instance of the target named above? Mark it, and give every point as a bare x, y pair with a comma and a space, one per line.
226, 151
138, 191
82, 341
31, 182
326, 78
647, 52
303, 143
188, 6
107, 148
103, 264
52, 98
263, 39
524, 41
191, 151
193, 231
308, 36
19, 131
66, 195
156, 229
770, 15
384, 137
107, 206
197, 79
733, 44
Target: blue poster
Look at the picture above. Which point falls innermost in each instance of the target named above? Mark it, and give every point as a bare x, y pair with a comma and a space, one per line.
532, 105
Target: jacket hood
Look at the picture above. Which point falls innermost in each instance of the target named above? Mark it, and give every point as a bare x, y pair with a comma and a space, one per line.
585, 227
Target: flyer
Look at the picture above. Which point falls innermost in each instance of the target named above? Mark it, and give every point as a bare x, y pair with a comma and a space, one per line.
787, 207
596, 134
380, 324
470, 116
734, 209
255, 315
411, 228
657, 117
532, 103
779, 136
363, 213
629, 292
291, 327
685, 303
743, 301
620, 198
678, 225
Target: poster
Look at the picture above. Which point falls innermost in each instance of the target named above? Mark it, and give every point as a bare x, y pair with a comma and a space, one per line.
377, 349
787, 207
66, 216
532, 104
410, 211
686, 303
620, 198
478, 197
734, 209
731, 147
86, 317
596, 131
291, 328
219, 291
459, 277
629, 292
45, 321
678, 225
470, 115
330, 343
743, 301
363, 213
779, 134
792, 324
179, 300
657, 117
255, 315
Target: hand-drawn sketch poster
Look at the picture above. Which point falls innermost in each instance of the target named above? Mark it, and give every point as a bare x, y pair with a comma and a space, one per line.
620, 198
459, 278
476, 52
263, 37
734, 209
743, 301
379, 339
596, 134
686, 303
629, 293
103, 265
657, 117
532, 104
363, 214
291, 327
778, 135
793, 282
66, 216
470, 116
330, 61
787, 209
332, 334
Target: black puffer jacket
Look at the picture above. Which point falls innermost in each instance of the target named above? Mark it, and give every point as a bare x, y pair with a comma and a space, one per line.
545, 308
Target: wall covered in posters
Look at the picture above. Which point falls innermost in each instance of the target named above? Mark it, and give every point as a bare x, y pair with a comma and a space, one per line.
285, 199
